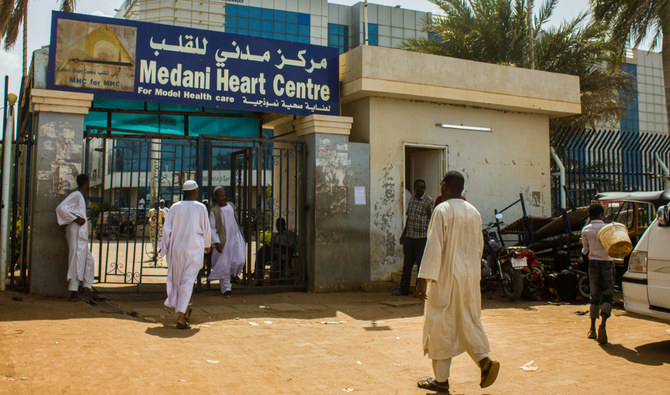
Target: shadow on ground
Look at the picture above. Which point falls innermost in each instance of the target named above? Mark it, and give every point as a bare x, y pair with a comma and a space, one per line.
652, 354
170, 332
210, 306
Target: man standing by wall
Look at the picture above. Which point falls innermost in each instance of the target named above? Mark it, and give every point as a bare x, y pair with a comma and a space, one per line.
449, 283
186, 238
229, 255
413, 237
72, 213
601, 273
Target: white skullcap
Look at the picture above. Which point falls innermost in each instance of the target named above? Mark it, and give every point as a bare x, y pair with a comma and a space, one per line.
190, 185
217, 188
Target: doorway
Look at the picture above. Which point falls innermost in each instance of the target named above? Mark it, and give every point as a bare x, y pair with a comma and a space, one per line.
424, 162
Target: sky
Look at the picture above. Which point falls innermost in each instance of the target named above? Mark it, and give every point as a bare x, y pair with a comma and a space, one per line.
39, 24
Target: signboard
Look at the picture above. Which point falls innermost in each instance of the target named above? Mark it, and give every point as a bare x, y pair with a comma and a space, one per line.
118, 58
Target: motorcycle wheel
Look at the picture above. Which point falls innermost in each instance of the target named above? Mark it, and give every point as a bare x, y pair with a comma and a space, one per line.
584, 287
512, 283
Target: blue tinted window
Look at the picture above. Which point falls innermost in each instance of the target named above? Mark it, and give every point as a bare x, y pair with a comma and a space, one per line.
338, 37
373, 38
260, 22
254, 24
254, 12
631, 118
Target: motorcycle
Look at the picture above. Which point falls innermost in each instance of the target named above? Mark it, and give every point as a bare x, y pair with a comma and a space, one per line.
502, 267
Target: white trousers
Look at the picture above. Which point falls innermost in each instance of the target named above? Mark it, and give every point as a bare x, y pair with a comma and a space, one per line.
224, 282
441, 367
73, 285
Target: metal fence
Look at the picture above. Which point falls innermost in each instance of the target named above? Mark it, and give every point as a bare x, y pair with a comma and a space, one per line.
263, 178
16, 172
606, 160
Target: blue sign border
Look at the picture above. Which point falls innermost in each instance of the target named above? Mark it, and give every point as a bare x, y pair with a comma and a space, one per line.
196, 67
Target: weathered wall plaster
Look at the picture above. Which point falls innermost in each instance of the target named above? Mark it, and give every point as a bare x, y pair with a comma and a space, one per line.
58, 159
498, 165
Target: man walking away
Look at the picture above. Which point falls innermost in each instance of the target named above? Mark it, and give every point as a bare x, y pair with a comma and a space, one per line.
449, 283
72, 213
186, 238
413, 237
601, 273
229, 255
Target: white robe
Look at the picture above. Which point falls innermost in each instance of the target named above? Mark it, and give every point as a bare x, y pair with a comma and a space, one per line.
231, 261
452, 265
80, 261
185, 236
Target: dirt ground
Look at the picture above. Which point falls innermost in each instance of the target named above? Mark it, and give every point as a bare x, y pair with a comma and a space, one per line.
304, 343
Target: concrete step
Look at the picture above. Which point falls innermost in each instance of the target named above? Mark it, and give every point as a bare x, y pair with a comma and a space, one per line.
377, 286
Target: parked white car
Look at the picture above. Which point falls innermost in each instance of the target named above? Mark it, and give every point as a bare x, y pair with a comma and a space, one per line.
646, 284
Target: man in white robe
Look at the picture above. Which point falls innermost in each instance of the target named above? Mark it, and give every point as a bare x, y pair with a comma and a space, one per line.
449, 283
186, 238
229, 255
71, 212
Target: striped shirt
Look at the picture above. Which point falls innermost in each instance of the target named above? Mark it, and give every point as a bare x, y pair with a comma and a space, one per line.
419, 211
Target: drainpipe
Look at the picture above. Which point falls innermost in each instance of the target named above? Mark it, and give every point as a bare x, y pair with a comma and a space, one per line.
6, 173
365, 12
665, 169
561, 176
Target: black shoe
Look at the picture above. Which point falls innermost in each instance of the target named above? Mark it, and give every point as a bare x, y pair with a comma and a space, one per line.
227, 294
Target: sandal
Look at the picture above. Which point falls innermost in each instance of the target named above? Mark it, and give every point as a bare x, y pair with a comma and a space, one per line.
185, 325
433, 385
490, 374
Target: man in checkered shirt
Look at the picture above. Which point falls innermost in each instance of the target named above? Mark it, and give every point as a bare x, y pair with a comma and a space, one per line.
414, 234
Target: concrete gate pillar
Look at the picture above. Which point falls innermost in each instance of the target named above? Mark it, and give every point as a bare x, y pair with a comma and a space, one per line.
58, 127
337, 249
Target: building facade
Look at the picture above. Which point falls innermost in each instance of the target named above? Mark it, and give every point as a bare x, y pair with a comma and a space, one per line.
337, 177
306, 21
646, 111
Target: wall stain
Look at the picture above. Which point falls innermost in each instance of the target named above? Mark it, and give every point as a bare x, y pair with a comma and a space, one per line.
384, 215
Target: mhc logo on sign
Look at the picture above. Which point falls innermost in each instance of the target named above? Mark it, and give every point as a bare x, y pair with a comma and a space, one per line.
123, 59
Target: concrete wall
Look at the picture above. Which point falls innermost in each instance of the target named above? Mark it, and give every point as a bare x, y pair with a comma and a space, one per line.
58, 161
498, 165
337, 231
376, 71
397, 98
